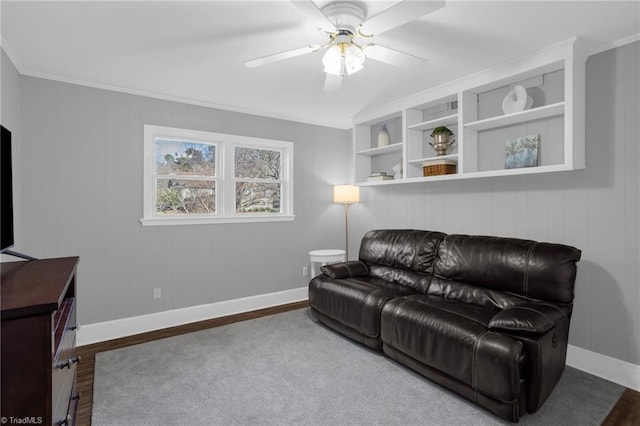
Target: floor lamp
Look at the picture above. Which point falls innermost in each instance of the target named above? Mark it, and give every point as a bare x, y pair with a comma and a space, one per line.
346, 194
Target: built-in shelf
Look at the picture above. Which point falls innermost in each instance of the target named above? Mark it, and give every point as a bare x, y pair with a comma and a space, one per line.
381, 149
431, 124
521, 171
439, 157
555, 79
539, 113
380, 182
474, 175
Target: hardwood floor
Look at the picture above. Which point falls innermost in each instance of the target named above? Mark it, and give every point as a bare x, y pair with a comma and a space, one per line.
626, 412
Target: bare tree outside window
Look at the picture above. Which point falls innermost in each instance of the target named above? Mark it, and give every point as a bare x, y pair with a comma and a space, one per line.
258, 180
195, 177
176, 196
185, 177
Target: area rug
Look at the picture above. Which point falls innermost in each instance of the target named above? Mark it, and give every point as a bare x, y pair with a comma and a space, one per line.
286, 369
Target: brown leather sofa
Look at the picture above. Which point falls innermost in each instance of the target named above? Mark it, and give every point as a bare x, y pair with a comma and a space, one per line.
486, 317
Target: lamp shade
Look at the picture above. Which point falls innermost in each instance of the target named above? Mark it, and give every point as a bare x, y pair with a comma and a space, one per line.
346, 194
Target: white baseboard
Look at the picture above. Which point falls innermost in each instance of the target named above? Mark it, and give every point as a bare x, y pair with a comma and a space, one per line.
612, 369
108, 330
615, 370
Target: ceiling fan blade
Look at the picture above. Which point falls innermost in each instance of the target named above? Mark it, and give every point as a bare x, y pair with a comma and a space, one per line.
280, 56
332, 83
399, 14
315, 15
392, 56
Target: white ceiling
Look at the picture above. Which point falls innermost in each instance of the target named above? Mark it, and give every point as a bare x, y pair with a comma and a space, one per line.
194, 51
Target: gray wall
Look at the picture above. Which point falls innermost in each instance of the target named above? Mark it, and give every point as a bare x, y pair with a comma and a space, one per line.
595, 209
82, 186
82, 155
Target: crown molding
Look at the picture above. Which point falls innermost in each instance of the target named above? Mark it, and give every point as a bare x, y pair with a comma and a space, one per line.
342, 125
615, 44
626, 40
12, 56
183, 100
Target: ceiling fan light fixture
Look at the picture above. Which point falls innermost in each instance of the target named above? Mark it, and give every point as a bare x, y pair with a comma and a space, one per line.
344, 21
353, 59
333, 61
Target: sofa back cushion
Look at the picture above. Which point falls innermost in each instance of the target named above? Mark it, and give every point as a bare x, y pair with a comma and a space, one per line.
402, 256
468, 293
522, 267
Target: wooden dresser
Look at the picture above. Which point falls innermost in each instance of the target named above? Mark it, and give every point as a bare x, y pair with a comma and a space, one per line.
38, 364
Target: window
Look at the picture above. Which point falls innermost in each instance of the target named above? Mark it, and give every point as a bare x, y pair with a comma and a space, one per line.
200, 177
257, 179
185, 177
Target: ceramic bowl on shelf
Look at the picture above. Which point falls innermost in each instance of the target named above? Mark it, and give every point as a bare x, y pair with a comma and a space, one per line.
516, 100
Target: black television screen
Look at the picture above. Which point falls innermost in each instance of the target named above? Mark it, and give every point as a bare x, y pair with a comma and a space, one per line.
6, 191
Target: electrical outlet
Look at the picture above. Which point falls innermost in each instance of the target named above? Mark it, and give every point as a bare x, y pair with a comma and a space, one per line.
305, 271
157, 293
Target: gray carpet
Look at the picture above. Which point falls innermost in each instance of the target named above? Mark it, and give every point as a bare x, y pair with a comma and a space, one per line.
287, 369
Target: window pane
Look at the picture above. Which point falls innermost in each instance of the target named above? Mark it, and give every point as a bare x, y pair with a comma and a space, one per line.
184, 158
257, 163
181, 196
257, 197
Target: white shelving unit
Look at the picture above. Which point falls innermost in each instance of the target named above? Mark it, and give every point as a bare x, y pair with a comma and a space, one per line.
538, 113
439, 157
421, 120
471, 108
371, 158
381, 150
435, 122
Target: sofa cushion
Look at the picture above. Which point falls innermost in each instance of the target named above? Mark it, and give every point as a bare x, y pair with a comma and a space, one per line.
401, 256
467, 293
522, 267
354, 302
529, 317
417, 281
453, 337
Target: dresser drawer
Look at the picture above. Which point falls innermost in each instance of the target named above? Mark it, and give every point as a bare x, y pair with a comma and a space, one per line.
65, 411
64, 385
72, 414
64, 361
64, 329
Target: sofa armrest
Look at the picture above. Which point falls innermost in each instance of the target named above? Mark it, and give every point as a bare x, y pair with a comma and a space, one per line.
530, 317
350, 269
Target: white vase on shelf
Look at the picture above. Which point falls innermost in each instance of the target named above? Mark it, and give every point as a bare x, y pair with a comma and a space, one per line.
384, 138
516, 100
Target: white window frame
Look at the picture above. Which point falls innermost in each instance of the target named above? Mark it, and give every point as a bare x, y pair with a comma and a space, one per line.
225, 177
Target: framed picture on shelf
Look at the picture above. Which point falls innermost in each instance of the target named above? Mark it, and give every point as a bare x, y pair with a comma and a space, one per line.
521, 152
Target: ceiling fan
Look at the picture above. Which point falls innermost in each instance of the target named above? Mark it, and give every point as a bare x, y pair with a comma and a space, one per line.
346, 21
